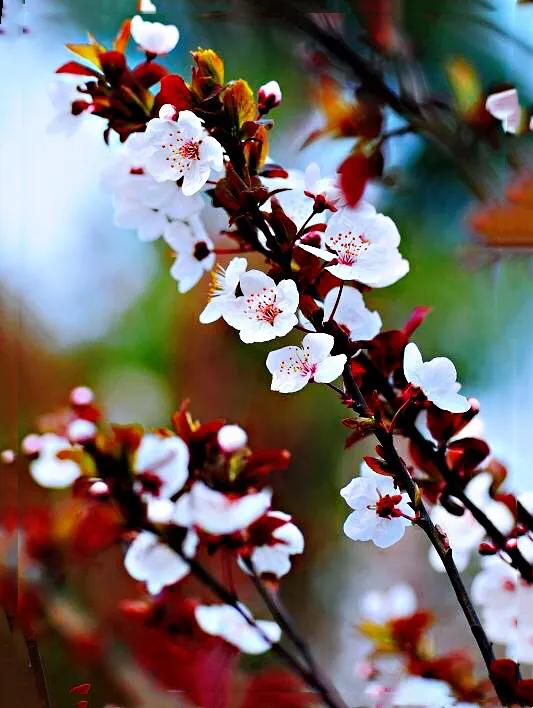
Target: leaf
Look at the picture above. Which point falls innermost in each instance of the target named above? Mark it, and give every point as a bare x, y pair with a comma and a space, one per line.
416, 318
121, 40
354, 174
256, 150
74, 67
88, 52
175, 91
149, 73
239, 103
465, 455
209, 65
464, 83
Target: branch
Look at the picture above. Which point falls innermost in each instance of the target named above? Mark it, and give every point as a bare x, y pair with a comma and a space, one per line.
37, 669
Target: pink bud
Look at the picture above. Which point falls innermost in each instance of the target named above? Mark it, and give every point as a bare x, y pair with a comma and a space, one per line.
231, 438
268, 97
81, 430
81, 396
7, 457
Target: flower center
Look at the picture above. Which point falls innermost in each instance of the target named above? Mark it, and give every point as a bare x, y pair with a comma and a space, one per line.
189, 150
262, 306
508, 585
386, 506
201, 250
349, 247
298, 364
150, 483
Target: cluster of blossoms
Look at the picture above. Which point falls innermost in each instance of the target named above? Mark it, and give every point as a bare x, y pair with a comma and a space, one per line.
203, 145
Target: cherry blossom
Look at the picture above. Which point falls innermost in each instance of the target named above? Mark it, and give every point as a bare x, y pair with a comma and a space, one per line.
218, 513
222, 291
419, 691
292, 368
381, 607
505, 106
146, 6
149, 560
70, 107
227, 622
194, 252
380, 509
154, 37
362, 245
436, 378
48, 469
268, 96
352, 314
81, 430
231, 438
265, 310
275, 558
161, 465
181, 149
463, 532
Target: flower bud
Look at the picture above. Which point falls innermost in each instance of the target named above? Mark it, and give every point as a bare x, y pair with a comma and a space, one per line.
167, 112
231, 438
487, 549
268, 97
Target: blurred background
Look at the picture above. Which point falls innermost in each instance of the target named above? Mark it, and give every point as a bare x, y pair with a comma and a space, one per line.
84, 302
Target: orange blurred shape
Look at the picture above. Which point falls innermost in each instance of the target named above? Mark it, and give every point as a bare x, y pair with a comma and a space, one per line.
508, 224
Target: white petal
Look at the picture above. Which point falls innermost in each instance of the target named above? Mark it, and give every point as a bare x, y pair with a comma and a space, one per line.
412, 363
330, 369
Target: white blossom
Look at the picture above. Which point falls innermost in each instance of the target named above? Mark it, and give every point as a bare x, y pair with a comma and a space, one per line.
352, 314
231, 438
436, 378
222, 291
48, 469
292, 368
381, 607
63, 94
505, 106
147, 6
154, 37
218, 513
378, 507
227, 622
181, 149
149, 560
275, 558
162, 463
363, 246
426, 692
81, 430
194, 252
265, 310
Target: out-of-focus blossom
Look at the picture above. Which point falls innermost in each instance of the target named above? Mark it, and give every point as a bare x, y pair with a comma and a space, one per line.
505, 106
379, 509
227, 622
231, 438
362, 245
70, 107
146, 6
265, 310
464, 532
48, 469
223, 287
194, 252
275, 558
268, 97
154, 37
352, 314
81, 430
81, 396
292, 368
436, 378
182, 149
418, 691
380, 607
149, 560
218, 513
161, 465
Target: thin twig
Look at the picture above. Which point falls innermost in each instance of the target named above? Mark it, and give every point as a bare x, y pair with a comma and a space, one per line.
37, 669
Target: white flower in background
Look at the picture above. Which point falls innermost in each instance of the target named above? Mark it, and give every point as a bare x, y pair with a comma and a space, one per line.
275, 558
463, 532
378, 507
505, 106
70, 107
154, 37
436, 378
363, 246
222, 291
269, 96
161, 465
231, 438
381, 607
181, 149
155, 563
292, 368
352, 314
506, 607
426, 692
227, 622
146, 6
218, 513
295, 203
81, 430
194, 252
265, 310
48, 469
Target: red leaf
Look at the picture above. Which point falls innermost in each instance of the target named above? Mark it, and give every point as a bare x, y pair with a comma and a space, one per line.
74, 67
81, 689
417, 316
149, 73
175, 91
465, 455
354, 175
